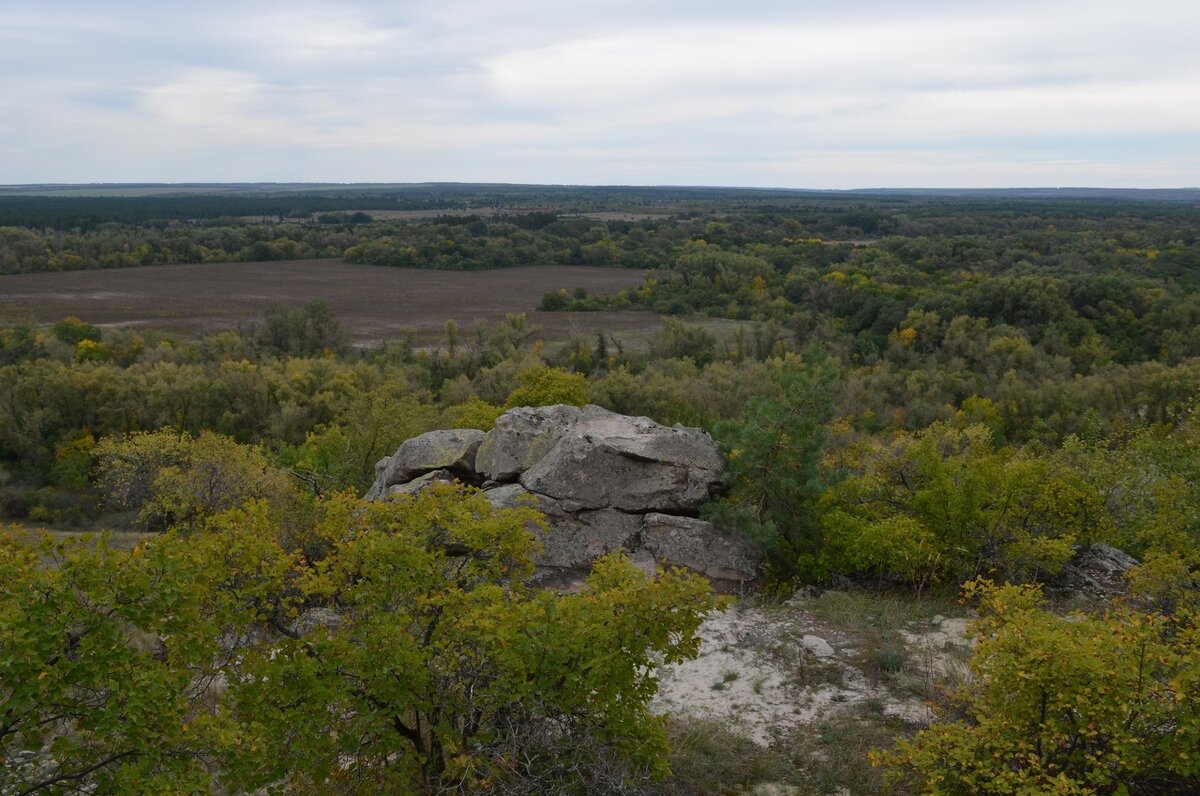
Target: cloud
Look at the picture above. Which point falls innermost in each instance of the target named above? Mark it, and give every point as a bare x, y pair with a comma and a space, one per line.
762, 92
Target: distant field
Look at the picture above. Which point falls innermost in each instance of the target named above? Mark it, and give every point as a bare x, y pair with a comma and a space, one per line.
373, 302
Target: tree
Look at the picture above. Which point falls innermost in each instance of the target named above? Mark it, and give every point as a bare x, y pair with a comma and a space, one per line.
108, 661
542, 386
176, 480
343, 453
405, 653
676, 339
774, 453
311, 329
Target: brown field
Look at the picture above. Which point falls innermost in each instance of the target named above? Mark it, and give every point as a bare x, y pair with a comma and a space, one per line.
482, 212
373, 302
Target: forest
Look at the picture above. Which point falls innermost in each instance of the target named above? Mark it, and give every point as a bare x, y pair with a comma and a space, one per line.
925, 394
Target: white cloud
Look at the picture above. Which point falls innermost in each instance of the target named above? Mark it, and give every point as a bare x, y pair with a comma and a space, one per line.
773, 92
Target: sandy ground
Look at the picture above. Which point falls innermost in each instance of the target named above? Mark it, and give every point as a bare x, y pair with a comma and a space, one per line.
766, 671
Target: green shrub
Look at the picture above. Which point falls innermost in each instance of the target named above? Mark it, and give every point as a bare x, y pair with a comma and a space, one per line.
1065, 704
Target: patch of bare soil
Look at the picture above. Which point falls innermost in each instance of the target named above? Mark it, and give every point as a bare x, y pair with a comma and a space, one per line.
765, 672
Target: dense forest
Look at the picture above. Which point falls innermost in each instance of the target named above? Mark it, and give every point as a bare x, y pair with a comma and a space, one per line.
924, 391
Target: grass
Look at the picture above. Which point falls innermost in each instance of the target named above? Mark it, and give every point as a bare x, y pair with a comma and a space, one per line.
707, 758
874, 620
726, 678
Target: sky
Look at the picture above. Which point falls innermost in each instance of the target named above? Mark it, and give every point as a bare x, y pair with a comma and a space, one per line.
799, 94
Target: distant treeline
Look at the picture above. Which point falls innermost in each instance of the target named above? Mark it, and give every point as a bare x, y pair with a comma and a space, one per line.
85, 213
626, 227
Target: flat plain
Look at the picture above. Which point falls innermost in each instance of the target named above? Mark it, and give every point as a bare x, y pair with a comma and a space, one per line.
373, 302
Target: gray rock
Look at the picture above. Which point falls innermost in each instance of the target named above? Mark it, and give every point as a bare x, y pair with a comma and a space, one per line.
420, 484
572, 540
1096, 572
816, 646
510, 495
520, 437
315, 619
628, 463
452, 449
604, 482
701, 547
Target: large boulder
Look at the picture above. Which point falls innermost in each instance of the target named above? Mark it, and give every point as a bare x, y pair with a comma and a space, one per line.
452, 449
574, 537
421, 483
629, 463
1094, 573
604, 482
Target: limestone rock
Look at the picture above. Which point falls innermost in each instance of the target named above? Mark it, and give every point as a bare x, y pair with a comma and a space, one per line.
700, 546
1096, 572
628, 463
521, 437
604, 482
452, 449
574, 537
816, 646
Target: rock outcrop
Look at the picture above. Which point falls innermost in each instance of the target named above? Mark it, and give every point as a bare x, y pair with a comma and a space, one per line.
1094, 573
604, 481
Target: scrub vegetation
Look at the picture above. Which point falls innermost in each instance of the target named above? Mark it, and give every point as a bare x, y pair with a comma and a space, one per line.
920, 397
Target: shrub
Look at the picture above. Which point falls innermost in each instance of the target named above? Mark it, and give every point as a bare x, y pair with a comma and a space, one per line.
1070, 705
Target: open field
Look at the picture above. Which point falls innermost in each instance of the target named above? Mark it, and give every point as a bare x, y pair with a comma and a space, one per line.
373, 302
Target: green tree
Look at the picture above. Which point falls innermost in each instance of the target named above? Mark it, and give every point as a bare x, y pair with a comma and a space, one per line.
308, 330
343, 453
946, 504
192, 664
176, 480
108, 661
542, 386
445, 668
774, 452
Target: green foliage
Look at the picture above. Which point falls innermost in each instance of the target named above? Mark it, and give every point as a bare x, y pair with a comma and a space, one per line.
946, 504
445, 667
472, 413
176, 481
1068, 705
343, 453
774, 453
310, 330
188, 665
542, 386
73, 331
678, 340
107, 664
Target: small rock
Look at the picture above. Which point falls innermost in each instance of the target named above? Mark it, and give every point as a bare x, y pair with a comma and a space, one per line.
817, 646
774, 789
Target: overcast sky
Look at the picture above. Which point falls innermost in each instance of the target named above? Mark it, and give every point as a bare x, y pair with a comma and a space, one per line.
856, 93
